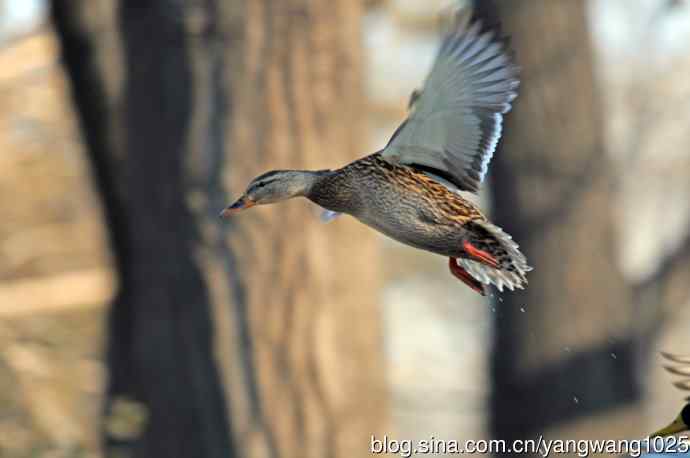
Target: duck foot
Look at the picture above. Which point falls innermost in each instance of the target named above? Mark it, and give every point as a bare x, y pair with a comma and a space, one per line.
480, 255
462, 275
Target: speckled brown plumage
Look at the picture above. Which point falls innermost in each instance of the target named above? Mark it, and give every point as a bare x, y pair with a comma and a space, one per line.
349, 190
411, 190
409, 206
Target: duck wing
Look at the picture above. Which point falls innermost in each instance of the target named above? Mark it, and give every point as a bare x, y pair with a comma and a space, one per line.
680, 366
455, 121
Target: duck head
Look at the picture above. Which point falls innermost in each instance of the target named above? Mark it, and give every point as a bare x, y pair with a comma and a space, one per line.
680, 424
274, 186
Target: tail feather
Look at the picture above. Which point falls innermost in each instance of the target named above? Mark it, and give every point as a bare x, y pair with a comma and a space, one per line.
513, 266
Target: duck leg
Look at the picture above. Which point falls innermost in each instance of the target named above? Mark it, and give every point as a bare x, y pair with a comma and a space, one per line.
465, 277
478, 255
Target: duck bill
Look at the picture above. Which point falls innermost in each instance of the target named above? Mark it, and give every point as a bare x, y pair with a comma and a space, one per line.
676, 426
242, 204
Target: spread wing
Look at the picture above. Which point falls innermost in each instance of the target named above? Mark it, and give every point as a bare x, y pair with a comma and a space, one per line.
680, 366
455, 122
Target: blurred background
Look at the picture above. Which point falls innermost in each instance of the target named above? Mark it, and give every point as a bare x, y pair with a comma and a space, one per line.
133, 322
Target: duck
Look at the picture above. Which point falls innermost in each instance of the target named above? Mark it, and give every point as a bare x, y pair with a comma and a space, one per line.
413, 190
680, 367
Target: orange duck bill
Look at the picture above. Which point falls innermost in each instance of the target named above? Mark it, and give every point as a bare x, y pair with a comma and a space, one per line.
242, 204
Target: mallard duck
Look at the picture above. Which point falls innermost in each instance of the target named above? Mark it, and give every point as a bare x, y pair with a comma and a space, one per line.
411, 190
681, 367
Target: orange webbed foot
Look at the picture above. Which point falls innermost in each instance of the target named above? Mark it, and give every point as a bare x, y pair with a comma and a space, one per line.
465, 277
480, 255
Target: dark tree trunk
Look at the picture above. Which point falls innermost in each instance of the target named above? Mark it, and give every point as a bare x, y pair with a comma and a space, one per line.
160, 348
271, 317
575, 350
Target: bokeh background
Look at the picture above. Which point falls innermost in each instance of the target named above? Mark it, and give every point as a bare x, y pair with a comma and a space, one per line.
133, 322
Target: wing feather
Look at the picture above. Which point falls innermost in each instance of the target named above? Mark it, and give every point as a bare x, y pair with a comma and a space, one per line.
456, 121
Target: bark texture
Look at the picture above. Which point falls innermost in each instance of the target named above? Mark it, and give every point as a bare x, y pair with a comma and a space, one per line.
575, 350
257, 337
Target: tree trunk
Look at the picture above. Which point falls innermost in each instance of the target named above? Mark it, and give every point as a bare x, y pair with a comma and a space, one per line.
568, 346
270, 317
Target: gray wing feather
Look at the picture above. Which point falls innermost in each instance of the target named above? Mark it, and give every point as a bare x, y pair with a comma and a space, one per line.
456, 121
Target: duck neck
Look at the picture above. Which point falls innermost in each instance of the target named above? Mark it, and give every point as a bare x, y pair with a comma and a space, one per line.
331, 190
307, 181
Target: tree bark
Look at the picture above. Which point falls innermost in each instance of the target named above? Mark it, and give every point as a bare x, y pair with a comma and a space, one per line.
569, 346
269, 320
311, 381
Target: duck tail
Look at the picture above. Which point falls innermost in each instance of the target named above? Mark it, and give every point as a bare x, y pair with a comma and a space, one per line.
512, 264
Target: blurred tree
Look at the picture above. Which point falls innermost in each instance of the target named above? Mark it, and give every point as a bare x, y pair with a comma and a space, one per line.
269, 321
573, 344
